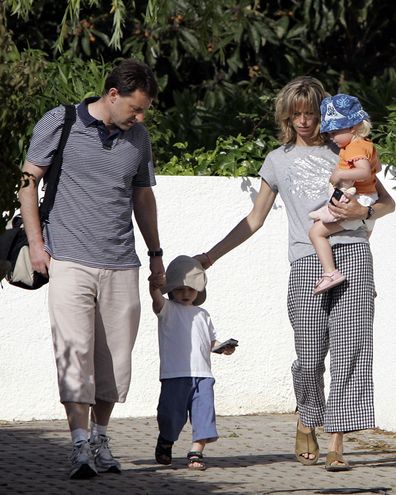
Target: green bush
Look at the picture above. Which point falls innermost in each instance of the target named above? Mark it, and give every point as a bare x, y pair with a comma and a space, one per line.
30, 85
378, 99
385, 136
219, 65
232, 156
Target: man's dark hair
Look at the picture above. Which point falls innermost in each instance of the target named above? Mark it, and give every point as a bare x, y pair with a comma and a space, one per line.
131, 75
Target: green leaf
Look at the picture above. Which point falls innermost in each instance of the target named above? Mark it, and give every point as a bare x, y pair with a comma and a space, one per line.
191, 41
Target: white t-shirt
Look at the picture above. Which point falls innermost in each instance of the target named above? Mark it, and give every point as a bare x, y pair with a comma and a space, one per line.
185, 335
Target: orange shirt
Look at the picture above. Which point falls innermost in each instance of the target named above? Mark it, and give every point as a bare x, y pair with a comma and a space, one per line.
357, 150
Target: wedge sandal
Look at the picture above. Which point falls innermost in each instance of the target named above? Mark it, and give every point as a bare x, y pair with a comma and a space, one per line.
333, 457
306, 443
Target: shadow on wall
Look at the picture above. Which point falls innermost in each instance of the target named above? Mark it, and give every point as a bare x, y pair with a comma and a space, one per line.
246, 186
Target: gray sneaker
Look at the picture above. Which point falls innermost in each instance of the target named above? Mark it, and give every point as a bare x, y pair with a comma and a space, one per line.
82, 462
104, 460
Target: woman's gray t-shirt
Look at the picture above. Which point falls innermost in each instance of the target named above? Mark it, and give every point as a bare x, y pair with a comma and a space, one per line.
301, 176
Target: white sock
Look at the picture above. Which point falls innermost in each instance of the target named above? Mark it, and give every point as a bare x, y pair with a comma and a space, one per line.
97, 430
79, 435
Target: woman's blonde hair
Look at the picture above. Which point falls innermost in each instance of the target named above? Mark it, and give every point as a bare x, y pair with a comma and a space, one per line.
301, 94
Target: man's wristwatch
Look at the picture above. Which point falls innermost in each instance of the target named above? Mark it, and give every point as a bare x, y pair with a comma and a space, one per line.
154, 254
370, 212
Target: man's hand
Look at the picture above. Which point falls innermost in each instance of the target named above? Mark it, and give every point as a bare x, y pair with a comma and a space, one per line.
157, 278
39, 258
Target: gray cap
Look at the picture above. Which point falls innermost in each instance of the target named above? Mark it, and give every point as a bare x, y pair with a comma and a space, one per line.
188, 272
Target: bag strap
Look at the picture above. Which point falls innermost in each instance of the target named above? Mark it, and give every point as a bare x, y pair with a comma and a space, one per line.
52, 176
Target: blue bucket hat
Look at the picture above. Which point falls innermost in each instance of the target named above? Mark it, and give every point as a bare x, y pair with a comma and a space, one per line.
341, 112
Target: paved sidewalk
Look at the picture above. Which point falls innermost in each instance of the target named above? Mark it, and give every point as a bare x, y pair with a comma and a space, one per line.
253, 456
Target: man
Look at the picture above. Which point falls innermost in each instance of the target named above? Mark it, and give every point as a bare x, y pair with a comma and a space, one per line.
88, 250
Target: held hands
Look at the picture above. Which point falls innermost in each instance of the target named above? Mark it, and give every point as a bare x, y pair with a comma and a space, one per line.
204, 259
157, 278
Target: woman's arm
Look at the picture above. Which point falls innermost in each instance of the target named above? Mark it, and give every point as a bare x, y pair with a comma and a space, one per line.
245, 228
385, 203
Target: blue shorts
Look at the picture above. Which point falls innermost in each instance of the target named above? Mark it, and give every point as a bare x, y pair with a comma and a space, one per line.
183, 397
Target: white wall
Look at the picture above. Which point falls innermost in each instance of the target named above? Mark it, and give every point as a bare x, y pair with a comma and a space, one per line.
246, 298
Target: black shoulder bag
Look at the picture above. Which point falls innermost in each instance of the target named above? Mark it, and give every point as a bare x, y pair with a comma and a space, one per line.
15, 265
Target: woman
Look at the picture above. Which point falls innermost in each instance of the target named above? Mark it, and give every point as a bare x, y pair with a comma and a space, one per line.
342, 319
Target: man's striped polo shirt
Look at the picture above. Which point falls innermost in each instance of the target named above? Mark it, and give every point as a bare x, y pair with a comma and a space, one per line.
91, 221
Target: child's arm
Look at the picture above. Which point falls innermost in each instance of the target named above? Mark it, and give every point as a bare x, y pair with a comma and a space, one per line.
360, 172
229, 349
157, 297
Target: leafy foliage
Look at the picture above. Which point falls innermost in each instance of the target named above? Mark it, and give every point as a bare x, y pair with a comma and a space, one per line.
378, 99
232, 156
219, 65
386, 139
17, 85
29, 86
375, 94
212, 58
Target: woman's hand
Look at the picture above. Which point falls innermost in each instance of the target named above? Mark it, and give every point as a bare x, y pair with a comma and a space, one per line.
352, 210
204, 259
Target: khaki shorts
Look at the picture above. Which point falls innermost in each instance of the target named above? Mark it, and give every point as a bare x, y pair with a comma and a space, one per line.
94, 315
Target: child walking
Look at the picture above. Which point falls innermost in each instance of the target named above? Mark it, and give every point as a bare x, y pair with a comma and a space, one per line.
343, 117
186, 338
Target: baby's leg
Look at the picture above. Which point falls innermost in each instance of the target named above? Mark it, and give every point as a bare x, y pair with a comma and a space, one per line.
323, 214
319, 234
331, 277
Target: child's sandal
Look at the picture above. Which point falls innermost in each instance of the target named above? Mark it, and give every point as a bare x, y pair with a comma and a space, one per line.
195, 461
163, 451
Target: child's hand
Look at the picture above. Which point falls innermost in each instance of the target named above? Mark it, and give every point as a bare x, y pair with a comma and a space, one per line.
335, 178
155, 292
227, 347
157, 280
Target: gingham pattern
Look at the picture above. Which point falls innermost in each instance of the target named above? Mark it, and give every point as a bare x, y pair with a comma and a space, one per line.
339, 321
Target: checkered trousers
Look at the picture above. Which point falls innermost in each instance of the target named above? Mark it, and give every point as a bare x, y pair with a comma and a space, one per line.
339, 321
